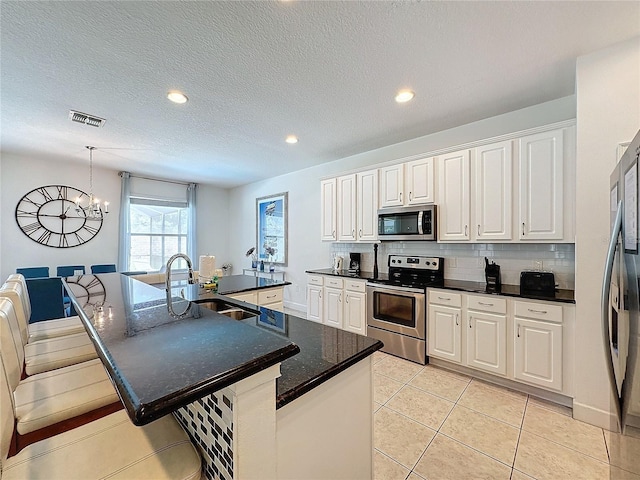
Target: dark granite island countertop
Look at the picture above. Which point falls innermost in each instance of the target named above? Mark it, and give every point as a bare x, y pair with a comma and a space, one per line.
159, 363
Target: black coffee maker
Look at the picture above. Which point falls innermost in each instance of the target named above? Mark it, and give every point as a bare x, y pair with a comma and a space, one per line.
492, 275
354, 263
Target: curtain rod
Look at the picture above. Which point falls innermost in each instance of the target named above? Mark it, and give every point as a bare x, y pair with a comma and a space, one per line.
158, 179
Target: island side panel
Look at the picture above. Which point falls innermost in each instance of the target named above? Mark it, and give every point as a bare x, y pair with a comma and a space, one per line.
328, 432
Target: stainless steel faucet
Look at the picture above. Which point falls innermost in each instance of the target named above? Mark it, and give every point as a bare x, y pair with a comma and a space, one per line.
168, 285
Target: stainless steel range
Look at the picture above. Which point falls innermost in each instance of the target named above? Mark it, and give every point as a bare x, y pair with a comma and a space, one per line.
396, 305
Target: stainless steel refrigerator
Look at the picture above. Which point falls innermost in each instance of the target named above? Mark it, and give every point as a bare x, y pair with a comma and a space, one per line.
621, 314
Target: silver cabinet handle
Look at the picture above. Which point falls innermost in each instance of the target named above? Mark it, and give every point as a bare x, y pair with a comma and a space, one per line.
320, 294
486, 304
469, 322
353, 232
518, 330
346, 299
340, 298
523, 229
543, 312
457, 323
272, 296
444, 298
333, 235
478, 229
361, 232
400, 197
409, 196
465, 230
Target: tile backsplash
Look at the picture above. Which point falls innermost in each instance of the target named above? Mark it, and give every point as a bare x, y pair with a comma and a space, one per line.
466, 261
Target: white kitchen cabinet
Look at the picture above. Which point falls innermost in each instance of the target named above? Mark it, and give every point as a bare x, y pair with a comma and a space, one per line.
355, 312
332, 307
346, 208
454, 196
443, 333
540, 159
486, 342
538, 344
420, 183
367, 206
314, 303
493, 192
328, 210
391, 186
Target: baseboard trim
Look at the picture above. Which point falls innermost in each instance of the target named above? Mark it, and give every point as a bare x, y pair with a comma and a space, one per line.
595, 416
300, 307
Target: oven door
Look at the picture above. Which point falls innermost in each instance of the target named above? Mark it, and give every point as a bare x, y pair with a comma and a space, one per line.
397, 309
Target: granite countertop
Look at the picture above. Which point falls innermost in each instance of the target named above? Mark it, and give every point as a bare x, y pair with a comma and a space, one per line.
159, 363
561, 295
324, 352
232, 284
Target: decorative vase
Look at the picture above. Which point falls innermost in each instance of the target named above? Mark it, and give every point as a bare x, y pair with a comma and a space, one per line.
272, 268
254, 264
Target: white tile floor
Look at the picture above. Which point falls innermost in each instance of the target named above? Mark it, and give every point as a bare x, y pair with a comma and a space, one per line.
431, 423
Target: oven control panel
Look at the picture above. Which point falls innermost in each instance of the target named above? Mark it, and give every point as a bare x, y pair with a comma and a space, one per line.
416, 262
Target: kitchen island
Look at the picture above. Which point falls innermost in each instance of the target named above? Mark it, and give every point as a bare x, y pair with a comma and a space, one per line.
256, 395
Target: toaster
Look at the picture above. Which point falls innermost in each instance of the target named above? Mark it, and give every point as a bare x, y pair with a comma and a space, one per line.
542, 284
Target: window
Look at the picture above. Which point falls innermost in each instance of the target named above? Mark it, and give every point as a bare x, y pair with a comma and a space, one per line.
159, 229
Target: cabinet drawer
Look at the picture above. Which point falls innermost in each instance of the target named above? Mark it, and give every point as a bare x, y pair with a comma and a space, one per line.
487, 304
333, 282
539, 311
265, 297
355, 286
442, 297
249, 297
315, 279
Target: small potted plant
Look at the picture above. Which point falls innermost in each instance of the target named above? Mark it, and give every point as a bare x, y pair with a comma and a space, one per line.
254, 257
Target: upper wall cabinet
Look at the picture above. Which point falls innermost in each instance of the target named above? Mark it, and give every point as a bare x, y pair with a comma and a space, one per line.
410, 183
493, 198
349, 207
540, 159
328, 212
454, 203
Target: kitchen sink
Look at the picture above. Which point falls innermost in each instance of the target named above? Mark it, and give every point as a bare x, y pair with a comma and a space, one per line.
227, 308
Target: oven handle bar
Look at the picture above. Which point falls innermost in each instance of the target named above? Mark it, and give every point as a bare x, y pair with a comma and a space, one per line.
381, 287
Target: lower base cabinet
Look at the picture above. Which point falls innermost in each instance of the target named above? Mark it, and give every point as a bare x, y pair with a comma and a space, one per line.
337, 302
271, 298
519, 340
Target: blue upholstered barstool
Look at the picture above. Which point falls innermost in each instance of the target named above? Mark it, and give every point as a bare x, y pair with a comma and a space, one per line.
104, 268
69, 270
34, 272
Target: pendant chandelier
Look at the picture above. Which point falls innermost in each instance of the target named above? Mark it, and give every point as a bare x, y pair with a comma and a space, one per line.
94, 208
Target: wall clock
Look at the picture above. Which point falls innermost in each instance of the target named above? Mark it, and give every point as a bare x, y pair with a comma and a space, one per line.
88, 290
48, 215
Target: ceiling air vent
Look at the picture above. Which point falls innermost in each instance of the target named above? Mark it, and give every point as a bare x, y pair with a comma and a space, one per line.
85, 118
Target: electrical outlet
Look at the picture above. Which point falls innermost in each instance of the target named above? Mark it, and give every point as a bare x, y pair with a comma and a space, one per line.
537, 264
452, 262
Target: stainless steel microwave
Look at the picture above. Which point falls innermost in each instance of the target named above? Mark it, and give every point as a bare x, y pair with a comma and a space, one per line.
408, 223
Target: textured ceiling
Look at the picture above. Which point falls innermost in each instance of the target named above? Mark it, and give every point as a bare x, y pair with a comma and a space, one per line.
257, 71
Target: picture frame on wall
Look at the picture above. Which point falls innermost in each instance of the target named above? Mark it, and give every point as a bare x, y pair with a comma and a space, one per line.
271, 228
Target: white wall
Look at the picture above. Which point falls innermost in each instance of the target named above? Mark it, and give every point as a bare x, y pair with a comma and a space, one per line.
22, 174
608, 113
306, 251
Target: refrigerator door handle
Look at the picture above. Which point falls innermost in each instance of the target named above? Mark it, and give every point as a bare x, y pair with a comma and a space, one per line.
606, 290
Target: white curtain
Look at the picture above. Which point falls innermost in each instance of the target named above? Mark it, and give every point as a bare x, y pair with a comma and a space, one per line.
124, 246
191, 237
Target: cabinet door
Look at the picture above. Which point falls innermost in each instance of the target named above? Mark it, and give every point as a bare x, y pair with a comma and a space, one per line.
332, 307
493, 198
538, 353
355, 310
420, 182
314, 303
453, 184
487, 342
347, 208
328, 196
391, 186
443, 333
541, 186
367, 205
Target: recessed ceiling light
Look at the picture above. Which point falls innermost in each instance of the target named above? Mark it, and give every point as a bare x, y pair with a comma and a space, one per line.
404, 96
291, 139
177, 97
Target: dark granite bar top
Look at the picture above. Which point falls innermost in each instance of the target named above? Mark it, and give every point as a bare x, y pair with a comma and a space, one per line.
159, 363
324, 352
233, 284
561, 295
